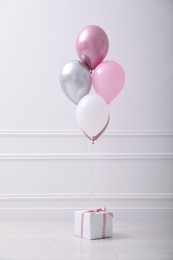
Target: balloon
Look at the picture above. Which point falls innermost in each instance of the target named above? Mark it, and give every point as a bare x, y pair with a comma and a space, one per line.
93, 138
92, 116
108, 80
92, 45
75, 80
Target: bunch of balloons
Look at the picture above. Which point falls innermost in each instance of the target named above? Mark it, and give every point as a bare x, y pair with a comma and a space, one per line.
107, 77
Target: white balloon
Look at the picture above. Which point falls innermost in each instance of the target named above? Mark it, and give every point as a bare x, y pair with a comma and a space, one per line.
92, 115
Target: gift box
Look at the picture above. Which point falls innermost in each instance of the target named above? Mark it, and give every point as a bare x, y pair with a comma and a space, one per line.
93, 224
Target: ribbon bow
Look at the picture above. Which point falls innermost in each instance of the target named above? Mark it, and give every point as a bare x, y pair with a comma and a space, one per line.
94, 211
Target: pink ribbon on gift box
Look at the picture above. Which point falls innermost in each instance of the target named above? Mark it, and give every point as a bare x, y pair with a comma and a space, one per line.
94, 211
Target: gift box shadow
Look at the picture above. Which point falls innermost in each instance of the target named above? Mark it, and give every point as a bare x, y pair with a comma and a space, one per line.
119, 236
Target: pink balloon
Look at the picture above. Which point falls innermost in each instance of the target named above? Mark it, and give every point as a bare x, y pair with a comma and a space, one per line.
92, 45
108, 80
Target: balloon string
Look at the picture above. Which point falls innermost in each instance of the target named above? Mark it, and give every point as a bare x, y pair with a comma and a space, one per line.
90, 150
92, 180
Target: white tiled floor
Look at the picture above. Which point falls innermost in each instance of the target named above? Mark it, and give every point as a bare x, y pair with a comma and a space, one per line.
41, 238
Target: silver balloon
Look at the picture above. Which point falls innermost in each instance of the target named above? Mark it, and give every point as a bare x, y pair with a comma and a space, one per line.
75, 80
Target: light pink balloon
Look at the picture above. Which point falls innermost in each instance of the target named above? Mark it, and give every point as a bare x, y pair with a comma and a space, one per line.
108, 80
92, 45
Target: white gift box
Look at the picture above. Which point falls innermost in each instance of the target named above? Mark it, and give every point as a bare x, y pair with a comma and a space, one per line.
93, 224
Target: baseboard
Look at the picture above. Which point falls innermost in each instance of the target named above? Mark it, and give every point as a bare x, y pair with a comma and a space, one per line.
81, 201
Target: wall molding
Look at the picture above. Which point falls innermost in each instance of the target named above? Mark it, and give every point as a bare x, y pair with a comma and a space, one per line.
72, 133
38, 145
52, 145
86, 196
86, 156
79, 201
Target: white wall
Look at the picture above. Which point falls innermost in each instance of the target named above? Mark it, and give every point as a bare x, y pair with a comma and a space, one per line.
45, 161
